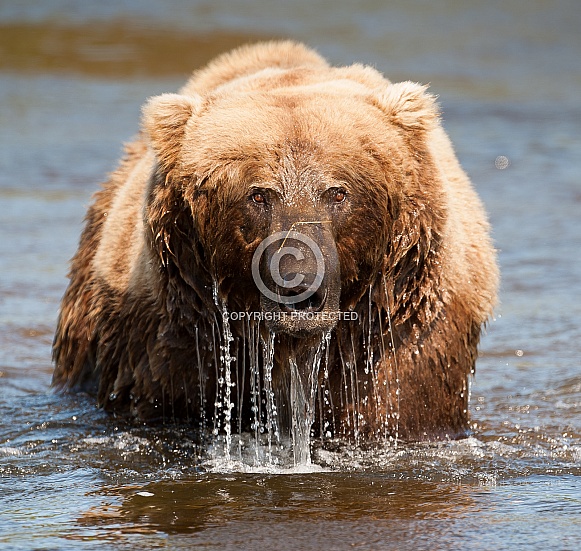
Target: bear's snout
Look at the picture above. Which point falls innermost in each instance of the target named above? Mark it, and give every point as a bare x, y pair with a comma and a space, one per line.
300, 281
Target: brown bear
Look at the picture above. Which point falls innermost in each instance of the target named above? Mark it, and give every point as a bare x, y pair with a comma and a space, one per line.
287, 247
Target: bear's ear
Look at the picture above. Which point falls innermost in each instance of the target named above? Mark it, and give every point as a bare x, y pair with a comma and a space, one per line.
408, 105
164, 121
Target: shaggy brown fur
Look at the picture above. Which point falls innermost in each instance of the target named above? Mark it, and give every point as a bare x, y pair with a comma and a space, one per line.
139, 322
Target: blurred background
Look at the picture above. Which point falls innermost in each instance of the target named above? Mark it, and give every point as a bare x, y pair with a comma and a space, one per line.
73, 76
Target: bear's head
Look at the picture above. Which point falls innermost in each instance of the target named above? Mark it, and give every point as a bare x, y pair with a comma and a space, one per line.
289, 193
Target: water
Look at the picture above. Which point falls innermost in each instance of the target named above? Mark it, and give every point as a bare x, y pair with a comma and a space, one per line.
72, 80
303, 389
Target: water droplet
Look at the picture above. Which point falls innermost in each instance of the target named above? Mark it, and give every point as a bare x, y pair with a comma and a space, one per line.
501, 162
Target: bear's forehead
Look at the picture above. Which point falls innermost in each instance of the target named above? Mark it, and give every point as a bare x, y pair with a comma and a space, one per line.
300, 122
308, 109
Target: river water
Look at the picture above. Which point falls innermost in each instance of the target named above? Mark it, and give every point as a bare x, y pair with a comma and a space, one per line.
72, 79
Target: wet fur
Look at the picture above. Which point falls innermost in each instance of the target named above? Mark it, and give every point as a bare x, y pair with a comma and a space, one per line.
138, 320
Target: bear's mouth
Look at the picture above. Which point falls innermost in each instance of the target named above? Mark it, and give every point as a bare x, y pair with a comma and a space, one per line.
313, 303
315, 314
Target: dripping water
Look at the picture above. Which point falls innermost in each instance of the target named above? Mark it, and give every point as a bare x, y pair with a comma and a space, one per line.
356, 401
326, 406
303, 389
255, 401
240, 376
201, 380
218, 373
224, 404
226, 360
271, 425
395, 414
258, 351
348, 387
371, 368
300, 436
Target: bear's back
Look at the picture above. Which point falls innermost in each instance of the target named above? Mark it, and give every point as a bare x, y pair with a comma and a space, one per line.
250, 59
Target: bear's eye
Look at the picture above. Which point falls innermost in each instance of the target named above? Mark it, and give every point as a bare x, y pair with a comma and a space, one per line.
258, 198
339, 195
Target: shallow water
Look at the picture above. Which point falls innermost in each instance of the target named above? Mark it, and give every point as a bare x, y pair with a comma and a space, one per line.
71, 84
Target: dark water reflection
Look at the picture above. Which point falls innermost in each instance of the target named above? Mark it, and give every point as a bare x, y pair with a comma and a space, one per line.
331, 498
113, 49
72, 80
